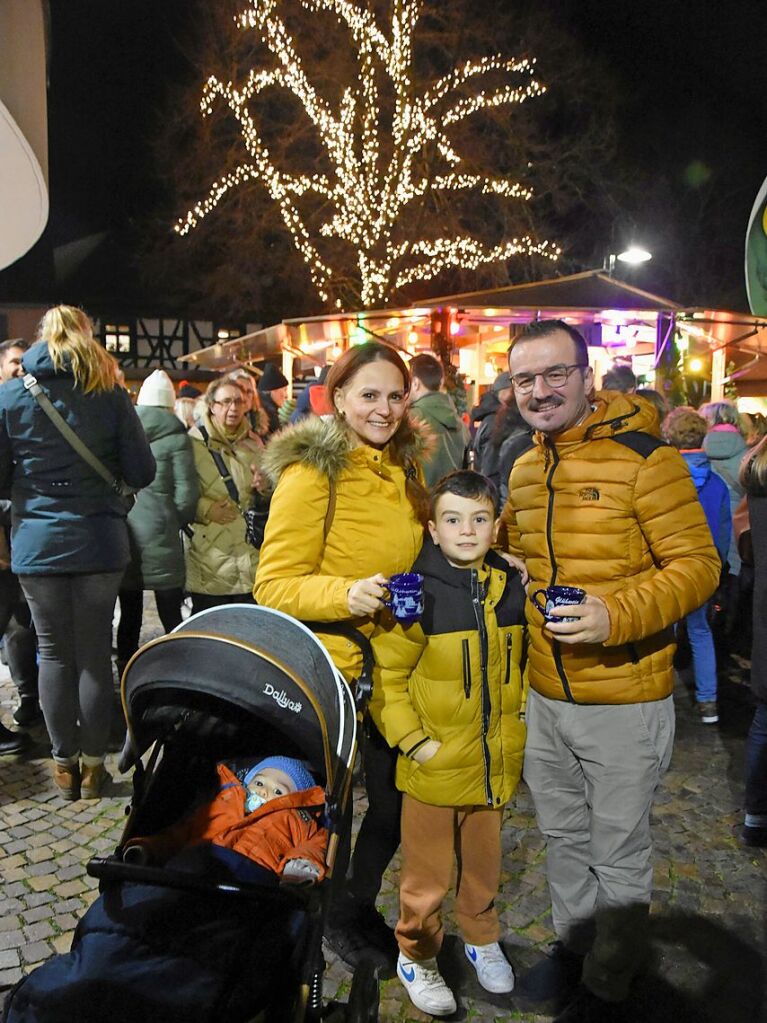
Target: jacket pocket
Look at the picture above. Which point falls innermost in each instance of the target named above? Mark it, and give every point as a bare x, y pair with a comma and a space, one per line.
466, 668
509, 645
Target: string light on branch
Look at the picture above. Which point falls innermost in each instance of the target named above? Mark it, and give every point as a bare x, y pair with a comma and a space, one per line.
374, 173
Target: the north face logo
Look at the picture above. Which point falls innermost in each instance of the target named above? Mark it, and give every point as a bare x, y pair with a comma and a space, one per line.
589, 494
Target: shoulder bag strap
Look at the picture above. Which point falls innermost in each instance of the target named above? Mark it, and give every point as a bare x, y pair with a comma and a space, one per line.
69, 435
218, 459
729, 479
330, 513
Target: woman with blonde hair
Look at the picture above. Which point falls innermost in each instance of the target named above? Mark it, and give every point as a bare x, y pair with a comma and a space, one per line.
69, 540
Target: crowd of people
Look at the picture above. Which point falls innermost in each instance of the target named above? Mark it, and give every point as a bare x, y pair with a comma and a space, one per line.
616, 508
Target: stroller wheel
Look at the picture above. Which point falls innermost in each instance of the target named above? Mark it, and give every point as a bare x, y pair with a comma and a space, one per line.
364, 995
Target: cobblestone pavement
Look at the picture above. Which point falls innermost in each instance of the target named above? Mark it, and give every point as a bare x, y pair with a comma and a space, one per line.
709, 900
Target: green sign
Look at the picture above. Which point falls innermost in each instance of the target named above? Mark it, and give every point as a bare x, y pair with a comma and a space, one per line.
756, 255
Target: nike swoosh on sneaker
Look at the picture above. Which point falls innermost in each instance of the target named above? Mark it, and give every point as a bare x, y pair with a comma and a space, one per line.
409, 975
471, 952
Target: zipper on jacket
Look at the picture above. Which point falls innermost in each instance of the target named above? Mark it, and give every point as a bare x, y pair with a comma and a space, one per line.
477, 602
509, 642
466, 668
557, 651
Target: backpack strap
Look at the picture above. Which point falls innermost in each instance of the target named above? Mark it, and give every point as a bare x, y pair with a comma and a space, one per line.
641, 443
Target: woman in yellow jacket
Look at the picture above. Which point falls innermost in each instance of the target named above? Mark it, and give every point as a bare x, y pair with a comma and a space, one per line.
348, 511
220, 562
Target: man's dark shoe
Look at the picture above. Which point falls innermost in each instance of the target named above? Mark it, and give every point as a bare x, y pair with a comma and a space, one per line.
28, 712
378, 933
351, 945
754, 837
585, 1007
11, 742
555, 977
357, 932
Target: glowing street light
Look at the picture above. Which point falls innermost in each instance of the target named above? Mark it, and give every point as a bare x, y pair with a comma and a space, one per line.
634, 255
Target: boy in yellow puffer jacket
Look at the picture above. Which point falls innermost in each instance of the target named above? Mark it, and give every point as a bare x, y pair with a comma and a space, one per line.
448, 692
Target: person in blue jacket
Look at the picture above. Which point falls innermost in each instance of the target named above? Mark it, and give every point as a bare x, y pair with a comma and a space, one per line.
685, 429
69, 540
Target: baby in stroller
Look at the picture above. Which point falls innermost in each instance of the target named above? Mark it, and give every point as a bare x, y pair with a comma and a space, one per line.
148, 952
269, 812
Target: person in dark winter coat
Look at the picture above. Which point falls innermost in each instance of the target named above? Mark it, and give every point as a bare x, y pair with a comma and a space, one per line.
273, 390
754, 479
161, 510
436, 409
684, 429
69, 540
486, 412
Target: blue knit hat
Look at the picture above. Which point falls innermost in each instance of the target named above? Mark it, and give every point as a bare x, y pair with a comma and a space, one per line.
294, 769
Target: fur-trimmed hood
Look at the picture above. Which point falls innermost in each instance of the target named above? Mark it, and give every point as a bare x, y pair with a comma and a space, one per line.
325, 444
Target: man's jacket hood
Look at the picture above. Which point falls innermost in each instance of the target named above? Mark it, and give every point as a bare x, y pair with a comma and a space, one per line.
440, 407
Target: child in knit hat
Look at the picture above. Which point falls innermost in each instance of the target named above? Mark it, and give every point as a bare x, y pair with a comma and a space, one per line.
270, 813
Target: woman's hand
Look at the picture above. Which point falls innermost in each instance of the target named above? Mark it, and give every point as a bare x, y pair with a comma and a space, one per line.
222, 512
517, 563
427, 751
365, 596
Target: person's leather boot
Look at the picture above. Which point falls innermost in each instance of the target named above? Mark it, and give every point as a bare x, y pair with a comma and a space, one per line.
94, 777
66, 778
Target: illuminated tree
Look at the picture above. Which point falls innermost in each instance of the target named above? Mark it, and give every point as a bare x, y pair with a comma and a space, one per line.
384, 150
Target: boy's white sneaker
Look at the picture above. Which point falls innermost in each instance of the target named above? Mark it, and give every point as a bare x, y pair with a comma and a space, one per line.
425, 986
494, 970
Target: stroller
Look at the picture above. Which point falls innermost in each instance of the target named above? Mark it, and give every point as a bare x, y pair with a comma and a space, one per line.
196, 941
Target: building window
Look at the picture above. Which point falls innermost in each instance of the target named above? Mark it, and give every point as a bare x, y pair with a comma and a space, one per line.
117, 338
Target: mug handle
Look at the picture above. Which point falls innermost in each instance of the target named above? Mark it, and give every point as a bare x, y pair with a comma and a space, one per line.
534, 599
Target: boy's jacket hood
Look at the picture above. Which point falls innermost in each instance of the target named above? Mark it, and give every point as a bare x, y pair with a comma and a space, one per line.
699, 466
326, 445
432, 564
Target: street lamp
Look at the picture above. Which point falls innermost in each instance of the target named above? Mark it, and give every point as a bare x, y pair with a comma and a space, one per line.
632, 256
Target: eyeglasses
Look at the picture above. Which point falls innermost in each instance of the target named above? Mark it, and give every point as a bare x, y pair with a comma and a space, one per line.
228, 402
554, 376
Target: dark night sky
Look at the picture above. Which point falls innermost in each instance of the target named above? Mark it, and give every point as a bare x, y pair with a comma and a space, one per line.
692, 77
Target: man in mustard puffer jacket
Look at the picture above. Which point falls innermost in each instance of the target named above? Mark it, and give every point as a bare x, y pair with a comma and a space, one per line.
448, 692
599, 503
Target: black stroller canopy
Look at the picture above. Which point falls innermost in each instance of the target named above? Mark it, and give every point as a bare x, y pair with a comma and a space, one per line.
257, 660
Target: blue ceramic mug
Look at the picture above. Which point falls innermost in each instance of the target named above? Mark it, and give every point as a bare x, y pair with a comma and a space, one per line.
557, 596
405, 597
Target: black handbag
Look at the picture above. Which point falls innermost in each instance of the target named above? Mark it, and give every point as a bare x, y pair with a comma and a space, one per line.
256, 515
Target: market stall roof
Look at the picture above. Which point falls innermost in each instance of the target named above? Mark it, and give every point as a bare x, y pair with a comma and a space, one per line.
591, 290
239, 351
743, 336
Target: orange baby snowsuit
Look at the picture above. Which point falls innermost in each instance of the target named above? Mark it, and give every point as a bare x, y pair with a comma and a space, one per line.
283, 829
